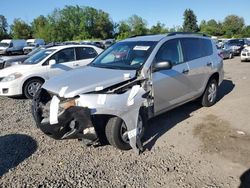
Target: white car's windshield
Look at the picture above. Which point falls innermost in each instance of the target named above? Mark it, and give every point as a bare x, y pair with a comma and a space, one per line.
125, 55
39, 56
4, 44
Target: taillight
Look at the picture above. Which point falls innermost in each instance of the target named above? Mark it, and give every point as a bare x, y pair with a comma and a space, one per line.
220, 54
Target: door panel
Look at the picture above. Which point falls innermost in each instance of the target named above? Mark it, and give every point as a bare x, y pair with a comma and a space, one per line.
171, 87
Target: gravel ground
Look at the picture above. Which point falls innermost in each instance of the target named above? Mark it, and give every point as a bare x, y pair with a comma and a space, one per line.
187, 147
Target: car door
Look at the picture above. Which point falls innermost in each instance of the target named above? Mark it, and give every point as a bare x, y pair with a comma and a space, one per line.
197, 53
84, 56
170, 87
65, 60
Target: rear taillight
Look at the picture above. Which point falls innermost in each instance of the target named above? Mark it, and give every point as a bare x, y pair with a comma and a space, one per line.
220, 54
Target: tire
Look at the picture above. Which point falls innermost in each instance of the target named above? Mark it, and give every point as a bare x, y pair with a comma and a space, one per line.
209, 97
114, 130
28, 91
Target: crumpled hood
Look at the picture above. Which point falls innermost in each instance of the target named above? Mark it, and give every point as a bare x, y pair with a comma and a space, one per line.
14, 69
86, 79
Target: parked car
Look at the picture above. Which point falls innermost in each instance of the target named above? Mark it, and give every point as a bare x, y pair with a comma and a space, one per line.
31, 44
237, 45
108, 42
11, 46
245, 54
225, 51
27, 78
153, 75
7, 61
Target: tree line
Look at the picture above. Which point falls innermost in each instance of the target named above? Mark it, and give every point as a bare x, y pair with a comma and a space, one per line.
79, 23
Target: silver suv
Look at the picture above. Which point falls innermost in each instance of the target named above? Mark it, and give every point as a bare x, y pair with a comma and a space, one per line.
129, 83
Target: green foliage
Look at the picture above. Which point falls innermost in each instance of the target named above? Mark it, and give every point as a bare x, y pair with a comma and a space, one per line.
211, 28
190, 21
135, 25
233, 25
20, 29
246, 31
3, 27
159, 28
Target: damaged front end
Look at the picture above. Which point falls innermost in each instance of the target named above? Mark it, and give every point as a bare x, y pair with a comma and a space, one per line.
62, 118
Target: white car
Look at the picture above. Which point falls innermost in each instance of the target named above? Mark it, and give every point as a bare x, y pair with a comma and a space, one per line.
245, 54
29, 76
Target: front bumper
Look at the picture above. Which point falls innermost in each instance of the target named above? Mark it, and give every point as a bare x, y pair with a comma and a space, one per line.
245, 56
12, 88
73, 123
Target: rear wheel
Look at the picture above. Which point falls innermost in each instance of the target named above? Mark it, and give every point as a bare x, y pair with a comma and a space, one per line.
31, 87
210, 95
117, 132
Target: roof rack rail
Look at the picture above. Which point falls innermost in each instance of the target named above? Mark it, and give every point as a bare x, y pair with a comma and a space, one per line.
187, 33
133, 36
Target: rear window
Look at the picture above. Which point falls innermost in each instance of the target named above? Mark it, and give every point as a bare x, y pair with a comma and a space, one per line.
195, 48
85, 53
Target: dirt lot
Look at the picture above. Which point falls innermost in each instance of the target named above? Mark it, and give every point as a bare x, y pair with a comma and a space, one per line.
187, 147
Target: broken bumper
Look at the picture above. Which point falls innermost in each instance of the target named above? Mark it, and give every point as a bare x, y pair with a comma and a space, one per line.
72, 123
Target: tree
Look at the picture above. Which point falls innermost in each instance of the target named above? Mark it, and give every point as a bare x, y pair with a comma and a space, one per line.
246, 31
124, 30
137, 25
3, 27
20, 29
233, 25
211, 27
40, 28
159, 28
190, 21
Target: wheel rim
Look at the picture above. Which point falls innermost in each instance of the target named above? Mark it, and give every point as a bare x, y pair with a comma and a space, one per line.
212, 92
33, 88
124, 130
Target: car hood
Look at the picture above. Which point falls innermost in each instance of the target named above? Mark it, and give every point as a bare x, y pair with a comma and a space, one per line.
86, 79
3, 48
247, 48
15, 68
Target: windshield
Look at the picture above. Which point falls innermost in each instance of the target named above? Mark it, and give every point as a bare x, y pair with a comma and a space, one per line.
125, 55
39, 56
35, 50
4, 44
236, 42
31, 44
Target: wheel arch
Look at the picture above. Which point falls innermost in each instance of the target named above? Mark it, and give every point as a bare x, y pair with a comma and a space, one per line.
31, 78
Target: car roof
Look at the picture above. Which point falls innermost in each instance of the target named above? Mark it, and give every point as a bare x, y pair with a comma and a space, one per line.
159, 37
146, 38
70, 46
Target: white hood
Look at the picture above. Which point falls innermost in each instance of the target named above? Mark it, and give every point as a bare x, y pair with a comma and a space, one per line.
15, 68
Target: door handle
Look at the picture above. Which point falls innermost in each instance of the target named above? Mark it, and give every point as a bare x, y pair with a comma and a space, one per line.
185, 71
209, 64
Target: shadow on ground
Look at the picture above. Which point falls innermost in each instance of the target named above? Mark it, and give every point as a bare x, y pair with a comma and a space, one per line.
245, 179
163, 123
14, 149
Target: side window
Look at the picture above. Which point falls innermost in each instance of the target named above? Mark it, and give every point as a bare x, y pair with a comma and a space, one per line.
64, 56
207, 47
85, 53
170, 51
192, 48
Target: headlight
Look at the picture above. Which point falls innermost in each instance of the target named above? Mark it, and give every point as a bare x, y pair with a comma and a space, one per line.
12, 77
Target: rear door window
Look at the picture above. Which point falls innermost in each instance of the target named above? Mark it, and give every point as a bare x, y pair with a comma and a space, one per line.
192, 48
85, 53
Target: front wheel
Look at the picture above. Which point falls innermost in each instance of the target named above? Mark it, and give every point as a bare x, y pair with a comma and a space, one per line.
210, 95
117, 132
31, 87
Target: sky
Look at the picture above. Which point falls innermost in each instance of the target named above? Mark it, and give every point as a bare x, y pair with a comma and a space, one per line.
169, 12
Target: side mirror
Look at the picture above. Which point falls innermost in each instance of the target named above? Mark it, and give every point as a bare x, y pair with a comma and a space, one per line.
162, 65
52, 62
